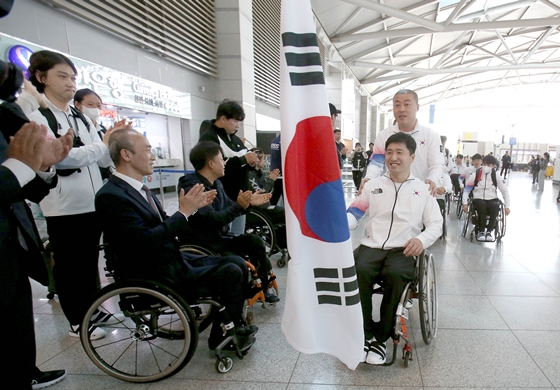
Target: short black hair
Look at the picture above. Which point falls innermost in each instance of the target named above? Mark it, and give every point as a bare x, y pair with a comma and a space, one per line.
476, 156
443, 138
119, 140
231, 110
203, 152
82, 93
337, 130
489, 160
459, 156
402, 138
41, 62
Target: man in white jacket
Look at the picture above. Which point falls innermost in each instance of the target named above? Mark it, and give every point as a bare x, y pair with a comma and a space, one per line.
73, 228
399, 206
429, 152
483, 184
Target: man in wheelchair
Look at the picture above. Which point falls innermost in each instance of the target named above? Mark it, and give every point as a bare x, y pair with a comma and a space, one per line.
258, 181
210, 223
457, 174
399, 207
143, 238
482, 185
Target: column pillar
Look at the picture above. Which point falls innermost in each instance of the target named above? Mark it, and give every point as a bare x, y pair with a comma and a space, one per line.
234, 25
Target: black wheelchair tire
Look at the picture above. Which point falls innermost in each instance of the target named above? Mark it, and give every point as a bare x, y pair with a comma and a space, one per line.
162, 294
427, 297
264, 229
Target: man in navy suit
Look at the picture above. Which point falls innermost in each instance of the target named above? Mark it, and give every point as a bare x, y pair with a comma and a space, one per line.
143, 237
28, 154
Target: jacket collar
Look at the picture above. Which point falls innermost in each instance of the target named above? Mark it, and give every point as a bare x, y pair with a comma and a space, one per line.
138, 199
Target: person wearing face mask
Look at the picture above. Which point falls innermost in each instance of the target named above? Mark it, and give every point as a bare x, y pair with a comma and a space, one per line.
89, 104
484, 184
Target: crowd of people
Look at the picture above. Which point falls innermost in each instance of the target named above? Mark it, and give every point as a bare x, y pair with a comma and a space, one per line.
90, 179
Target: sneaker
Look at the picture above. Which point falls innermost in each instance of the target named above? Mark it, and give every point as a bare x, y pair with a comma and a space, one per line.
377, 353
367, 344
102, 318
96, 334
489, 237
481, 236
47, 378
271, 298
409, 303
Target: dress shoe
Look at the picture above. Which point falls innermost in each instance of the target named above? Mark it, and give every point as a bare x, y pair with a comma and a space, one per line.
244, 344
246, 330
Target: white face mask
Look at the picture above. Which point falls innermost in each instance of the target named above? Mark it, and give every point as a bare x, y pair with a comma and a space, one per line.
91, 113
486, 169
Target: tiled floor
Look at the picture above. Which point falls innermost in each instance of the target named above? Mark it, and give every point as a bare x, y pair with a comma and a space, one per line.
499, 323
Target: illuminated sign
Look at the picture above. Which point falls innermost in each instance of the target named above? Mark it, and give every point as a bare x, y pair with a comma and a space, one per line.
114, 87
19, 56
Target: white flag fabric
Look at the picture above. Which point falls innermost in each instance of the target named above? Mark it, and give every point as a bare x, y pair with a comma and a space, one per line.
322, 312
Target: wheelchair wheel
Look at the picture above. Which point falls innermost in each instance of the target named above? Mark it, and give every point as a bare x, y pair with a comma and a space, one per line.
459, 212
501, 225
258, 223
427, 297
466, 223
155, 339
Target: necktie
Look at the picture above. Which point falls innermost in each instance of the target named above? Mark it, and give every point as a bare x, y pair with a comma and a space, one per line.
151, 200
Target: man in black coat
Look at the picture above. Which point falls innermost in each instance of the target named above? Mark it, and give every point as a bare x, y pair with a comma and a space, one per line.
28, 153
143, 237
222, 132
211, 222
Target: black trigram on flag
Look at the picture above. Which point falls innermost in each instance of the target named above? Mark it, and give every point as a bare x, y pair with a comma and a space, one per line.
332, 287
304, 61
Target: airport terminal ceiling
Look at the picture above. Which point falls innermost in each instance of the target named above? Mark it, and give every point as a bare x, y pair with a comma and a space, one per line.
444, 48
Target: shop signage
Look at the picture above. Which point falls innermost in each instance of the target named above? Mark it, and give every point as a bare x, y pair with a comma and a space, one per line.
114, 87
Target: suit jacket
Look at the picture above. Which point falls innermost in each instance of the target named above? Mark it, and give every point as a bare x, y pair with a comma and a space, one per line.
145, 246
14, 215
210, 224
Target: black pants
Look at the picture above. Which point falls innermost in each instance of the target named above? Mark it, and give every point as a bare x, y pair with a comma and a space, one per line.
485, 207
504, 169
357, 177
226, 284
456, 183
277, 191
394, 270
535, 176
75, 240
253, 247
19, 333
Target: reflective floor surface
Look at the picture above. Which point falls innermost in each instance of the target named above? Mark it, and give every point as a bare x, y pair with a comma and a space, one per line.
499, 323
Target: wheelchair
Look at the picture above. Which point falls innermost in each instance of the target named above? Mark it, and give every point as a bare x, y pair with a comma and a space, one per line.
154, 333
499, 229
423, 288
204, 311
259, 223
444, 209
